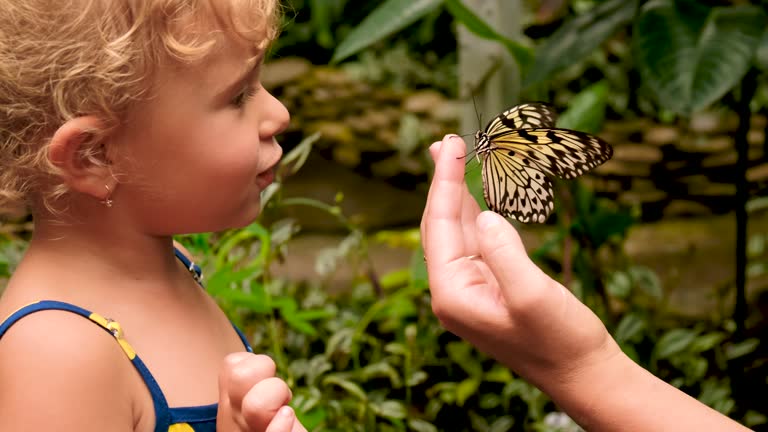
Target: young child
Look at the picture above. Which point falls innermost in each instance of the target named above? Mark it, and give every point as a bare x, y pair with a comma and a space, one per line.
123, 123
486, 290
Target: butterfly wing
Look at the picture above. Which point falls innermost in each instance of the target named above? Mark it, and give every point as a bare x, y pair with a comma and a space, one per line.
513, 189
524, 116
521, 148
560, 152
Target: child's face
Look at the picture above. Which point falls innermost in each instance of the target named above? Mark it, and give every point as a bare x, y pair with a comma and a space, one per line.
196, 156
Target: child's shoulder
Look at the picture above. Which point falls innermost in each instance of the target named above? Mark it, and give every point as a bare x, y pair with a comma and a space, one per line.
67, 364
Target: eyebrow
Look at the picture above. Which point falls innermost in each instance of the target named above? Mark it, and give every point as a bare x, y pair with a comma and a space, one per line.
252, 66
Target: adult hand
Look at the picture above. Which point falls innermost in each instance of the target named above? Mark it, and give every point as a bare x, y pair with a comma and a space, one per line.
486, 289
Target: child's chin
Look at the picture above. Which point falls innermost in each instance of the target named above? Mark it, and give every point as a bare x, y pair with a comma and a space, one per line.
248, 216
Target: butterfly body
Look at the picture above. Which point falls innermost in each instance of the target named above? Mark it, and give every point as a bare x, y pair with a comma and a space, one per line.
521, 149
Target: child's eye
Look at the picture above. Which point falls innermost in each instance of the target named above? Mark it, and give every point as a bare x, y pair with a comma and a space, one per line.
242, 98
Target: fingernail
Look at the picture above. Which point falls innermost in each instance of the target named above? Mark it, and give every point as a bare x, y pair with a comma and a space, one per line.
487, 220
285, 411
434, 149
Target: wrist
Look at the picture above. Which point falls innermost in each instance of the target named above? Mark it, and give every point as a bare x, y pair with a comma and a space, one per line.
588, 389
616, 394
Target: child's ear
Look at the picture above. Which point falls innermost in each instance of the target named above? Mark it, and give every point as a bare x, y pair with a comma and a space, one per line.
77, 149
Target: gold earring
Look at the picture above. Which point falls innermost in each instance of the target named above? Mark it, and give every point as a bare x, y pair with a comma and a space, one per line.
107, 201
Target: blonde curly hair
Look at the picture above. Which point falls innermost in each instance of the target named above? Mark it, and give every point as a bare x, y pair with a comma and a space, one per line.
60, 59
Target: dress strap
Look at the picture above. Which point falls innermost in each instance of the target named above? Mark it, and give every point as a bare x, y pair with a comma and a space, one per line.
194, 269
197, 275
162, 413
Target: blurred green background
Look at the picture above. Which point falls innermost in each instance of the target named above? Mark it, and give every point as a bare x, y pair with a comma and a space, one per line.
666, 242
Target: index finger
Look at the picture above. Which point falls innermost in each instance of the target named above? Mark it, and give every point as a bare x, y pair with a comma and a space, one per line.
444, 238
240, 372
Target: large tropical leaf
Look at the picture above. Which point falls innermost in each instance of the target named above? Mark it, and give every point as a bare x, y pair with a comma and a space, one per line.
761, 59
387, 19
479, 27
578, 37
690, 55
586, 110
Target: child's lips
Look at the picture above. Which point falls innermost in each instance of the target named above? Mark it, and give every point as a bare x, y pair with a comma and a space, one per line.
266, 178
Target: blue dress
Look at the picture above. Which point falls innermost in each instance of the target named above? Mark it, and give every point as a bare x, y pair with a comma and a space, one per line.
167, 419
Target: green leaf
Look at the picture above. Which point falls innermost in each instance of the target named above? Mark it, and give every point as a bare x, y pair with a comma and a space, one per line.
292, 162
313, 418
466, 389
707, 342
761, 57
489, 401
340, 341
395, 278
647, 281
743, 348
630, 328
579, 37
502, 424
674, 341
479, 27
586, 111
291, 315
256, 301
445, 391
714, 392
498, 374
315, 314
416, 378
754, 418
347, 385
695, 369
381, 370
419, 425
619, 285
387, 19
690, 55
390, 409
418, 267
474, 179
630, 351
321, 20
461, 353
598, 222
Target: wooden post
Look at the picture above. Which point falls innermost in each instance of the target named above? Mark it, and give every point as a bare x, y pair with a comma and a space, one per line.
487, 71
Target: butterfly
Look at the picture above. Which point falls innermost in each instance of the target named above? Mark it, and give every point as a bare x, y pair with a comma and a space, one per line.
521, 149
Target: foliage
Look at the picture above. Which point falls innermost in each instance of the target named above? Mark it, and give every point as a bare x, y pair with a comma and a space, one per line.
382, 22
12, 246
579, 37
689, 55
394, 15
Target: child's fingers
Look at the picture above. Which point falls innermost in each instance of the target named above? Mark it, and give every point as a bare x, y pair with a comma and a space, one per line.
241, 371
263, 402
285, 421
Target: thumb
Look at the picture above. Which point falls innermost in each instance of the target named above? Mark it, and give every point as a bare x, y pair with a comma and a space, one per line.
504, 253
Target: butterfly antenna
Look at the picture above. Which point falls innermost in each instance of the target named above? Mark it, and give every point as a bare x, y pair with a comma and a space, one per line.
468, 158
479, 120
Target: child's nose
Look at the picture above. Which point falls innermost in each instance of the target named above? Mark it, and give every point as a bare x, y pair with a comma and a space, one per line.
275, 117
